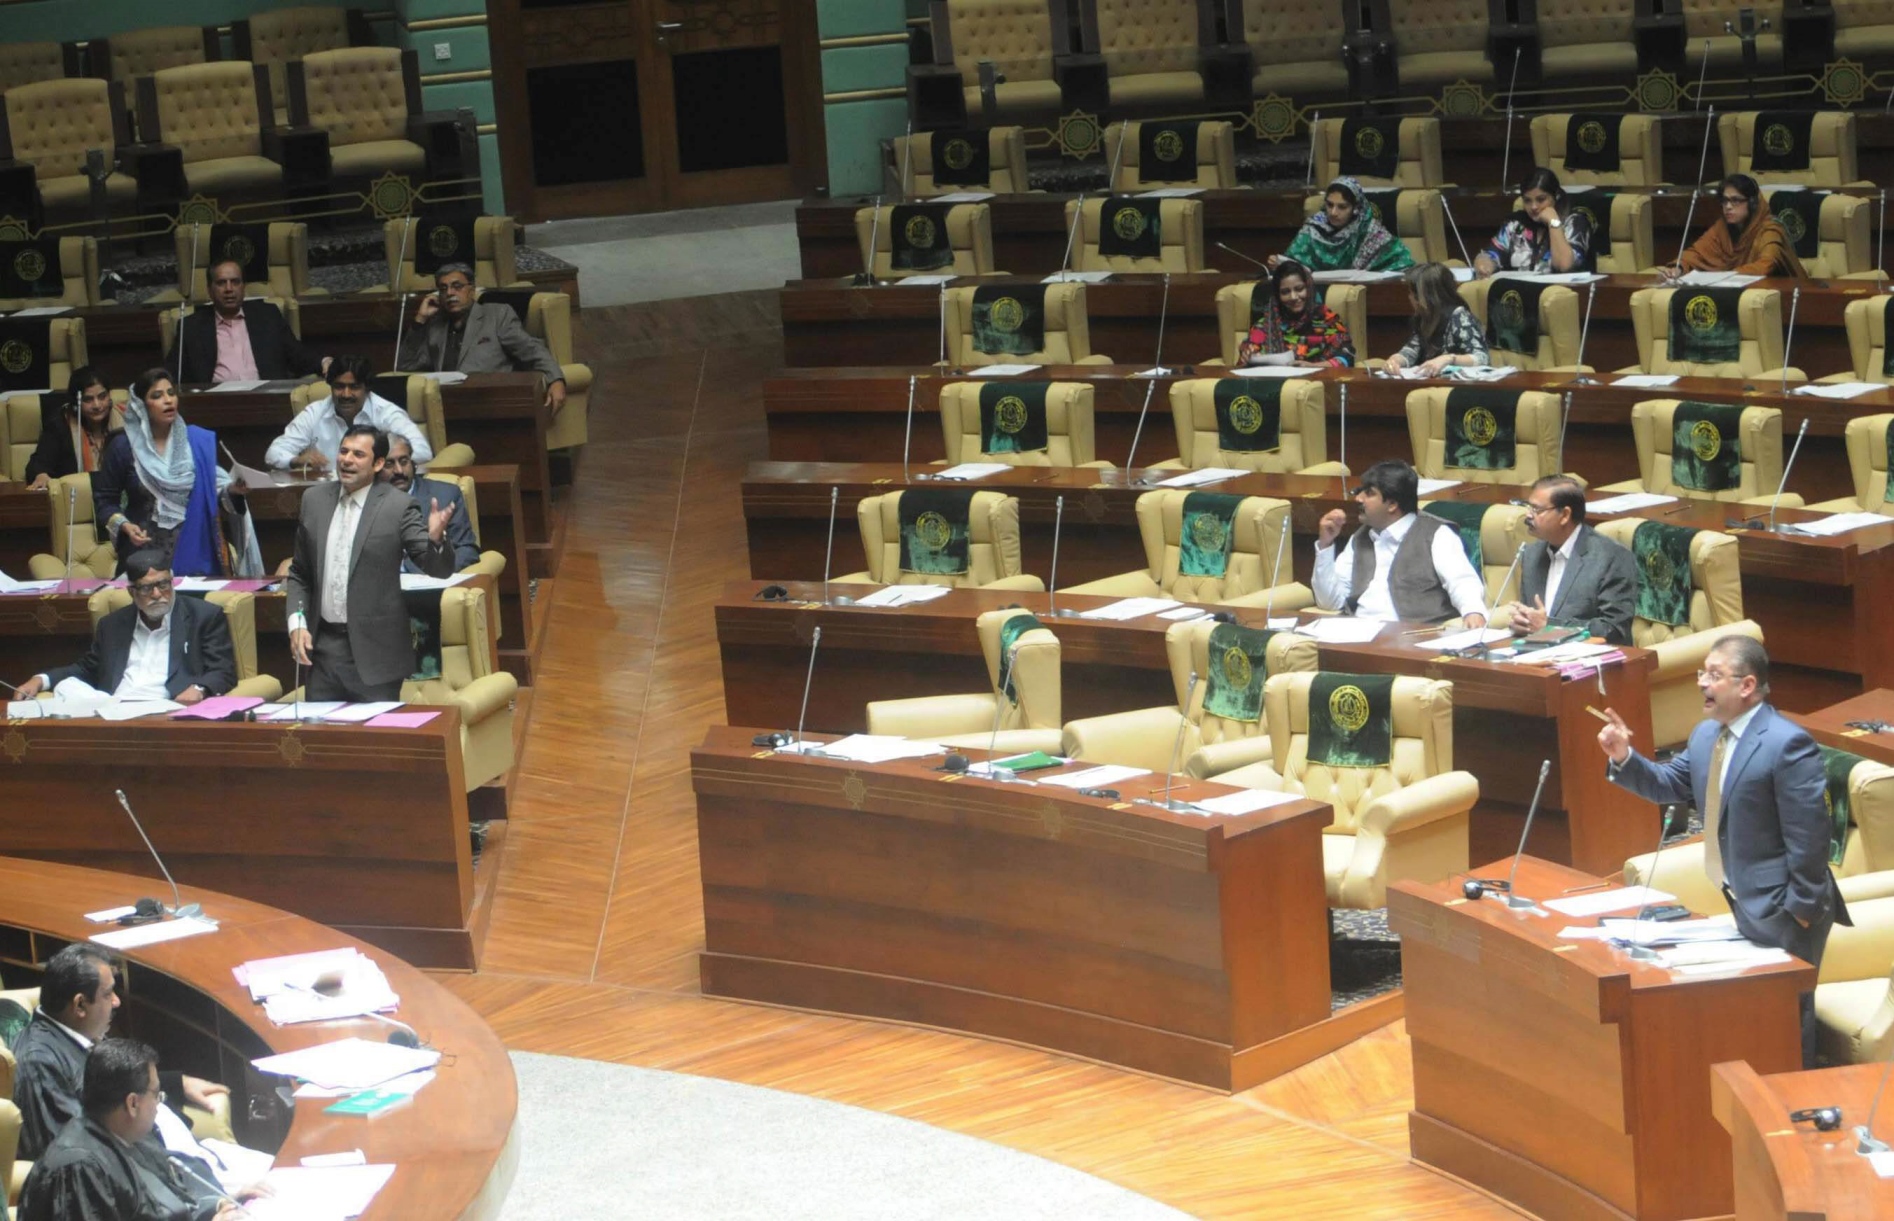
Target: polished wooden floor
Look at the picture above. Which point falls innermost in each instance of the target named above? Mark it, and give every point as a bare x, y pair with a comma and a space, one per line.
597, 921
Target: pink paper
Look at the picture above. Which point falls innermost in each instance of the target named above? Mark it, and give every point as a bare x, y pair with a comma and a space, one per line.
402, 720
216, 707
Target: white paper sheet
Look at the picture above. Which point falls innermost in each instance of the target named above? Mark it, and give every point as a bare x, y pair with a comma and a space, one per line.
1201, 476
10, 586
1462, 275
132, 710
879, 748
1628, 502
420, 580
1838, 390
446, 377
349, 1063
961, 197
1579, 906
1669, 932
1245, 801
1647, 381
1350, 275
42, 311
319, 1193
1479, 373
237, 387
154, 934
1713, 279
1102, 776
968, 471
924, 281
1427, 487
903, 595
199, 585
1341, 629
1185, 612
1001, 370
1839, 523
1077, 277
1129, 608
1276, 371
1552, 277
1559, 654
307, 710
110, 914
354, 714
1169, 193
1463, 640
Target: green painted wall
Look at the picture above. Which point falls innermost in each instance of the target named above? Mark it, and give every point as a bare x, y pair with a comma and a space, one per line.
857, 126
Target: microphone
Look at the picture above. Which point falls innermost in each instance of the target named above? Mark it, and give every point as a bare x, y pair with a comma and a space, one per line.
72, 512
1506, 164
1500, 591
1454, 225
1258, 263
1701, 73
1475, 888
1788, 341
1052, 584
866, 276
1787, 467
1584, 333
1177, 748
1275, 573
907, 439
1163, 312
1565, 419
828, 555
1150, 388
190, 283
1645, 953
179, 909
907, 158
1703, 160
1078, 205
1008, 660
1880, 242
1866, 1143
943, 326
1343, 459
775, 739
1313, 120
403, 1035
401, 291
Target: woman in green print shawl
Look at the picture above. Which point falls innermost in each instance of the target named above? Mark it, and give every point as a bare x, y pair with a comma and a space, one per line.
1345, 234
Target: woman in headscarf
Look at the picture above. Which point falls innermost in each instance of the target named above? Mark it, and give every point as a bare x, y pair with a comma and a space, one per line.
73, 429
159, 486
1747, 240
1295, 328
1345, 235
1546, 237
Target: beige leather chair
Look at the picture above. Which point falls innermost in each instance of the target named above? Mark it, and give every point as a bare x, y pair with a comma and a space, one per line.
1006, 164
279, 37
1211, 165
1247, 578
1703, 26
1866, 323
495, 240
1502, 533
79, 274
1559, 324
1866, 439
239, 613
1407, 820
216, 115
363, 97
1212, 744
1419, 220
66, 347
1863, 31
1349, 301
1716, 610
1633, 233
1304, 439
423, 407
1759, 444
969, 235
132, 54
1021, 40
12, 1171
1069, 438
52, 124
1536, 453
1854, 993
470, 682
1640, 143
288, 260
1845, 245
1150, 48
549, 320
1758, 315
1180, 232
1297, 48
291, 311
28, 63
1419, 147
1028, 719
1832, 161
1585, 39
1437, 42
1068, 337
71, 497
20, 417
993, 552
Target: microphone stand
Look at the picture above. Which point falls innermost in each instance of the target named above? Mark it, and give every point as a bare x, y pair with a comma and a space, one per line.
1275, 572
1078, 208
802, 717
1584, 333
1008, 660
1052, 583
401, 290
1514, 899
866, 276
1177, 747
1317, 118
1163, 313
1788, 343
1565, 419
1866, 1143
943, 326
1246, 258
828, 554
72, 511
1454, 225
180, 910
1789, 466
1644, 953
907, 158
1696, 189
1150, 388
1880, 241
1343, 458
1702, 72
1506, 164
907, 438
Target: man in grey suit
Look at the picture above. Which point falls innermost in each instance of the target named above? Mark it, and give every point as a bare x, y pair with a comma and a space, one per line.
347, 619
455, 333
1758, 780
1571, 576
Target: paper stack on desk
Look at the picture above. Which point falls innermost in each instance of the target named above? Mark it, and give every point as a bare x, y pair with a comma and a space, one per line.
967, 471
1837, 523
879, 748
1627, 502
349, 1064
1130, 608
319, 1193
1201, 476
1341, 629
902, 595
318, 987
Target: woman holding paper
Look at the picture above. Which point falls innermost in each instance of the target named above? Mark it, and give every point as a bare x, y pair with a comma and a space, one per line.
1747, 240
1545, 237
1296, 328
1345, 234
1445, 330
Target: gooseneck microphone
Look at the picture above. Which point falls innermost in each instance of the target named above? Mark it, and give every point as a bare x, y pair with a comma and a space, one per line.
1703, 161
1787, 467
1584, 333
1246, 258
1150, 388
190, 283
866, 276
1788, 341
1645, 953
1177, 749
1454, 225
1163, 313
1513, 897
72, 513
401, 290
1275, 572
828, 554
907, 438
1506, 163
1052, 582
1313, 120
179, 909
1008, 659
1866, 1143
1343, 457
808, 681
1565, 420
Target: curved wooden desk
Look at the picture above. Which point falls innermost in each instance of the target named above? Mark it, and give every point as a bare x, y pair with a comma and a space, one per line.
1792, 1170
453, 1145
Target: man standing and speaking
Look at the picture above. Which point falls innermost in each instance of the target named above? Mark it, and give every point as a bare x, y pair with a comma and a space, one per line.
347, 619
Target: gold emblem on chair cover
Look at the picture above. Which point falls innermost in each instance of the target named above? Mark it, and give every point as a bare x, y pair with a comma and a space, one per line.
1348, 708
933, 529
1168, 146
958, 154
1010, 414
1591, 135
1658, 570
1778, 139
1792, 224
16, 356
1236, 668
1700, 312
1127, 223
920, 232
1208, 532
239, 249
443, 241
1246, 414
1007, 314
1480, 426
1369, 142
1705, 441
29, 265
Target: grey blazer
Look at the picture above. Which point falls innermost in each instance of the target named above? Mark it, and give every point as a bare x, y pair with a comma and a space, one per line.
1774, 831
1599, 591
392, 527
494, 342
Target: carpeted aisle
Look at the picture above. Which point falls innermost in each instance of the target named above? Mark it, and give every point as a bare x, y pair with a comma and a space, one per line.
610, 1141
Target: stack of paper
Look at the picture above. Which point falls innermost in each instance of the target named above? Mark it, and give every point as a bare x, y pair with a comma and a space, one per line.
420, 580
1273, 371
1714, 279
131, 710
924, 281
1099, 777
1838, 523
355, 714
1669, 932
1628, 502
1201, 476
1561, 654
1077, 277
879, 748
1341, 629
1427, 487
1647, 381
349, 1064
306, 710
1455, 641
318, 1193
972, 470
1245, 801
1720, 956
1186, 612
1839, 390
1130, 608
962, 197
1000, 370
903, 595
10, 586
1350, 275
1479, 373
154, 934
1618, 899
448, 377
1166, 193
216, 707
323, 986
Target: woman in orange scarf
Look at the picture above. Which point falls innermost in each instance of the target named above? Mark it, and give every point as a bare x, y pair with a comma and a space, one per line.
1747, 240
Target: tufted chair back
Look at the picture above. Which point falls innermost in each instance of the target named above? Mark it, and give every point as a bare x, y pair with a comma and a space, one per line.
1006, 163
1716, 597
1570, 23
78, 272
1536, 438
1180, 225
1423, 744
1016, 35
289, 261
1259, 525
1140, 37
495, 238
54, 123
1633, 232
1866, 321
138, 53
27, 63
278, 37
210, 111
1419, 147
992, 541
466, 648
1558, 324
1068, 332
1640, 151
1187, 648
549, 320
1304, 440
1502, 533
1068, 426
90, 557
1211, 165
1760, 441
1439, 41
1284, 32
1035, 676
969, 232
1844, 247
1832, 161
356, 94
1758, 313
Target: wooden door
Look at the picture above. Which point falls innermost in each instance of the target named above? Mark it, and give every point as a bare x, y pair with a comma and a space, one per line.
641, 105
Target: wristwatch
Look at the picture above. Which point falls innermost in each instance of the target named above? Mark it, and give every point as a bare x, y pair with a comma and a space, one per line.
1555, 223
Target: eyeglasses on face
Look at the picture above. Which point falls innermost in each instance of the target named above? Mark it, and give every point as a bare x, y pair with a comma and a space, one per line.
161, 586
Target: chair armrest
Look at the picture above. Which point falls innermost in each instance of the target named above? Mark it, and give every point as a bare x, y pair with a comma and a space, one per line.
491, 563
1425, 801
1679, 872
1169, 464
1097, 464
1290, 596
1140, 738
159, 169
1864, 886
1125, 585
854, 578
1777, 375
1084, 82
452, 456
486, 695
1876, 275
1008, 742
1834, 379
1864, 951
43, 567
577, 377
1684, 656
1790, 500
1226, 72
1095, 359
1255, 776
1327, 469
1211, 760
1025, 582
303, 152
259, 686
1847, 504
933, 715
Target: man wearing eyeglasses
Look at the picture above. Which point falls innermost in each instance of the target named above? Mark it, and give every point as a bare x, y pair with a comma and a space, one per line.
161, 647
1570, 575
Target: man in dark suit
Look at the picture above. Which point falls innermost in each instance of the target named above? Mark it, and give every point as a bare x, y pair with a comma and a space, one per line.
1759, 782
453, 332
1572, 576
347, 620
238, 340
160, 647
399, 472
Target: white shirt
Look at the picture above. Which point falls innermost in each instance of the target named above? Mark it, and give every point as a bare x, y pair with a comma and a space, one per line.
78, 1038
1332, 581
1555, 569
149, 663
318, 427
339, 550
1736, 728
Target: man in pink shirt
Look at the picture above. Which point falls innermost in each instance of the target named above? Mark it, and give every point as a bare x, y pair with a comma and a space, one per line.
239, 340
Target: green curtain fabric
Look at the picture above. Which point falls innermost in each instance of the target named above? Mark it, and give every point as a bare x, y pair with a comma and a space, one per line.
1238, 667
1209, 528
1839, 765
918, 237
1465, 518
1249, 414
1705, 450
1013, 417
1167, 151
1665, 583
934, 530
1703, 325
1009, 319
1482, 428
1010, 632
1130, 227
1351, 719
424, 631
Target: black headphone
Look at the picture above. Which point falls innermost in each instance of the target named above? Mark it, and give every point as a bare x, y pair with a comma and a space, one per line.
1825, 1119
772, 740
772, 593
1474, 888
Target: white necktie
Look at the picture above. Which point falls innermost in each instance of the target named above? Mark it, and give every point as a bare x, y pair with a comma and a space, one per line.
341, 544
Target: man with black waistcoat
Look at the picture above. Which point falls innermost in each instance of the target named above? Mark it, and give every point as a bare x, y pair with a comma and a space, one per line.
1402, 564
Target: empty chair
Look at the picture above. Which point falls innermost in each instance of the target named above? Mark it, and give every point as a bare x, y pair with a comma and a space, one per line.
1583, 39
276, 38
130, 55
28, 63
1704, 35
417, 246
942, 162
1224, 726
1150, 48
1437, 42
1867, 324
1832, 233
369, 101
1863, 31
77, 550
470, 682
1238, 308
1530, 324
1296, 48
1137, 235
1707, 451
1623, 231
1378, 152
215, 114
275, 259
1209, 547
1689, 332
959, 538
1021, 713
1790, 147
1485, 434
1854, 993
1866, 438
547, 317
1161, 153
1018, 423
1491, 535
1043, 324
52, 125
926, 239
69, 277
1019, 37
1600, 149
1215, 428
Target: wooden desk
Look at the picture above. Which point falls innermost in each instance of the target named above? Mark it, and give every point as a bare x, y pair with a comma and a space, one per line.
1786, 1170
25, 527
1565, 1077
1506, 718
1829, 726
365, 829
832, 322
860, 415
1190, 946
454, 1145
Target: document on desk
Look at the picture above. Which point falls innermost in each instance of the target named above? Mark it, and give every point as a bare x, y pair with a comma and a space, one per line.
1186, 612
42, 311
1341, 629
446, 377
1245, 801
1001, 370
319, 1193
1837, 523
216, 707
10, 586
420, 580
1713, 279
961, 197
198, 585
1130, 608
307, 710
349, 1064
1579, 906
1201, 476
1462, 640
966, 471
154, 934
1628, 502
1669, 932
1095, 777
924, 281
1720, 956
1170, 193
1428, 487
903, 595
132, 710
1352, 275
1647, 381
1077, 277
1479, 373
1561, 654
1838, 390
1278, 371
355, 714
879, 748
237, 387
